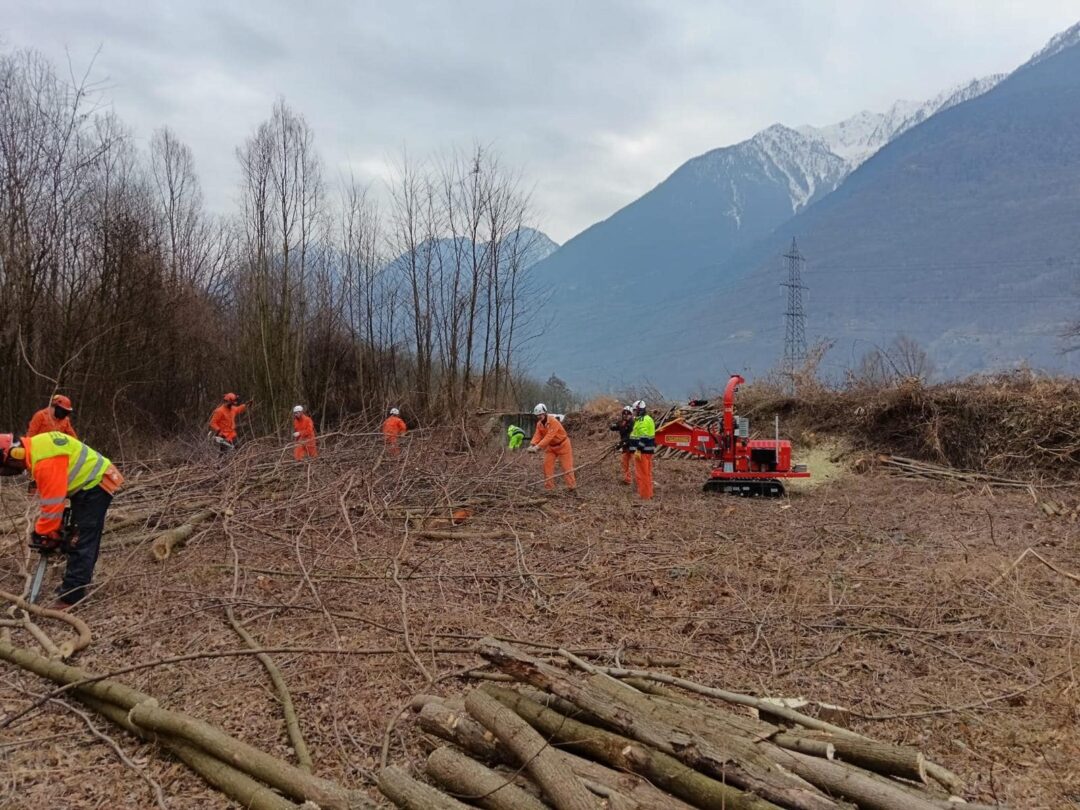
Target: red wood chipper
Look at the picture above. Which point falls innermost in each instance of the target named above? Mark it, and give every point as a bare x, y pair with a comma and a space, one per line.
744, 466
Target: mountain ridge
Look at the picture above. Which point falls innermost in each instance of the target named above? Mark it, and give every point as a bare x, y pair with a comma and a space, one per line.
653, 269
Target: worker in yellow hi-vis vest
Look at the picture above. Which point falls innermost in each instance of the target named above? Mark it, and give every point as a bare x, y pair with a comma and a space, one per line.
65, 469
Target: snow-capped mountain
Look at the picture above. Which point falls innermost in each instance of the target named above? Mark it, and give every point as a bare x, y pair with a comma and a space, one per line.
857, 138
804, 166
661, 285
1058, 43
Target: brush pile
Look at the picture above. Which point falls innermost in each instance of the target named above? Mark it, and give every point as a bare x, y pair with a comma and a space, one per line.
618, 738
1014, 425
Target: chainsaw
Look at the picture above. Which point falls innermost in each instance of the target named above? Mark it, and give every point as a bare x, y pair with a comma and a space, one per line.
68, 537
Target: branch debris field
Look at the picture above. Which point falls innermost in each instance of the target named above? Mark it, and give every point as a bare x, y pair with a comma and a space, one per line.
891, 606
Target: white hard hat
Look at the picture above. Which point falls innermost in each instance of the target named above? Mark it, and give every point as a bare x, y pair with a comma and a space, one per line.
540, 408
298, 409
627, 407
639, 405
395, 412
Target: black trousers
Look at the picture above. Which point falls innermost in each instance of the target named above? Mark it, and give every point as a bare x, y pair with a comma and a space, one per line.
88, 510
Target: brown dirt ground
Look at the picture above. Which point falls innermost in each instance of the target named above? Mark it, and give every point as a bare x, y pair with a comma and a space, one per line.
868, 592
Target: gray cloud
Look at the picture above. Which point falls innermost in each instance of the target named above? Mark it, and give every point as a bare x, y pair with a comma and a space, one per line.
594, 101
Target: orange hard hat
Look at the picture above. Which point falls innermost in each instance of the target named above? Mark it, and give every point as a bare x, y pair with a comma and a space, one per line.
230, 397
459, 516
63, 402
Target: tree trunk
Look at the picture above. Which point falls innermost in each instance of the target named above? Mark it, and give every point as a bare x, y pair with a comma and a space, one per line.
868, 791
623, 754
168, 542
234, 783
264, 767
559, 784
409, 794
142, 710
455, 726
882, 758
733, 760
470, 780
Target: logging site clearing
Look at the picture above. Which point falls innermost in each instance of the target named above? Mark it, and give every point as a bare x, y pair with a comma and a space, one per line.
401, 604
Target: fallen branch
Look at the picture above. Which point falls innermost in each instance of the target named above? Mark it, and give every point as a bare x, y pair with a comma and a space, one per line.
174, 539
1029, 550
292, 722
234, 783
40, 636
265, 767
432, 534
82, 629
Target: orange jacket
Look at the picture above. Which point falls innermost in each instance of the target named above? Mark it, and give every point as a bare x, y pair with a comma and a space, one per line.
394, 426
45, 422
223, 420
303, 424
550, 434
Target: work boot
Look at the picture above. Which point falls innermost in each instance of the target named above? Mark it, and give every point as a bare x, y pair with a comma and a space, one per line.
61, 605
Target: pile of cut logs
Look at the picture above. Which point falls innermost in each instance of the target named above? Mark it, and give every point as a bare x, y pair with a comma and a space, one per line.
543, 736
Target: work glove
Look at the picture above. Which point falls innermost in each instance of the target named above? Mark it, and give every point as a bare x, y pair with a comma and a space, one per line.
31, 487
533, 448
45, 542
296, 435
637, 454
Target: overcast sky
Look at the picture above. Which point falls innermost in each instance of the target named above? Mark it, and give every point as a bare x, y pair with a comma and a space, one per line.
595, 101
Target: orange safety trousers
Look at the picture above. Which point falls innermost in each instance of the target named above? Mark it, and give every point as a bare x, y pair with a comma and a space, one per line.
565, 458
305, 448
627, 456
643, 471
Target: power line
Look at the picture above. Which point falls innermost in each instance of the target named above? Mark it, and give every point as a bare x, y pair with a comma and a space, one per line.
795, 317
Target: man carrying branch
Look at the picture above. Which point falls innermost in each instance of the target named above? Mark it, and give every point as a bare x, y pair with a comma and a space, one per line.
223, 421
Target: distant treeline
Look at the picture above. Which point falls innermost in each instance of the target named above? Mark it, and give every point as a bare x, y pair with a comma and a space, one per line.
120, 289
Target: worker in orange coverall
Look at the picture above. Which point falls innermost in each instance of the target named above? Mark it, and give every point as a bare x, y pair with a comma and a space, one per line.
223, 422
392, 428
550, 436
57, 416
303, 435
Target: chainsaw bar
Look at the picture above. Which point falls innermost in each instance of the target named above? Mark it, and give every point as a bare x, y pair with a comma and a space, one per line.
39, 578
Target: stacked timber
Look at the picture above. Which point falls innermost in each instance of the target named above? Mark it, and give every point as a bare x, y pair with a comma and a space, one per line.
547, 736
